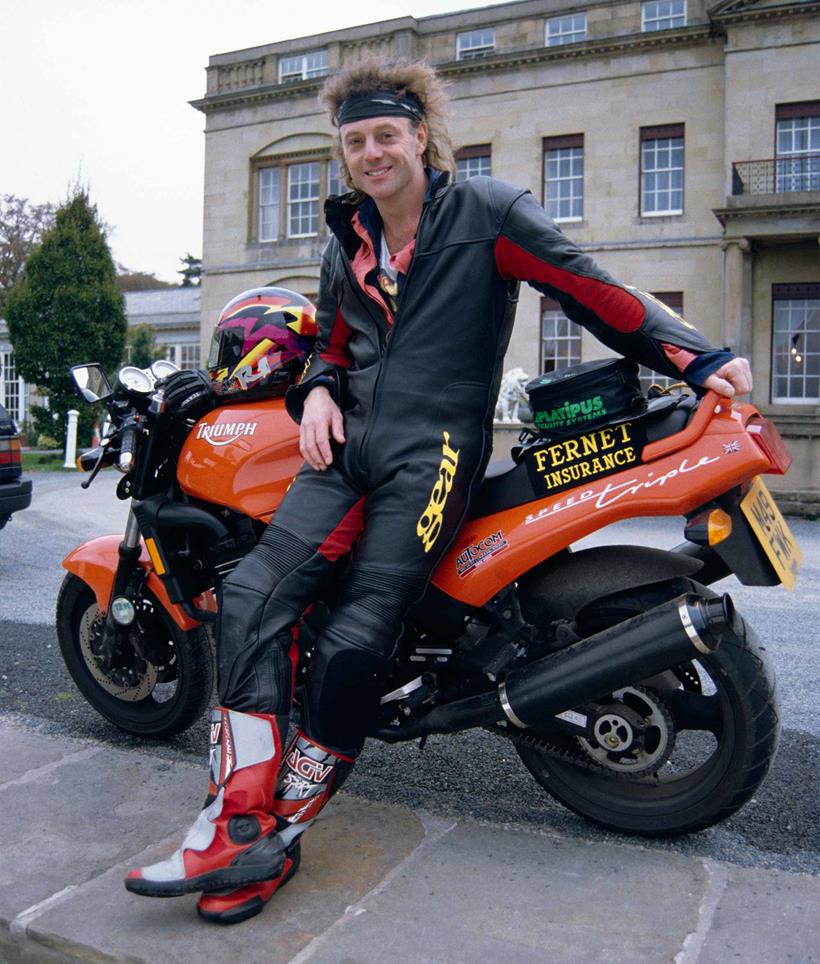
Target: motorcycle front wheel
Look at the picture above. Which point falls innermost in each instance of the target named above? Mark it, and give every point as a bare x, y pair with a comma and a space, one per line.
711, 733
161, 677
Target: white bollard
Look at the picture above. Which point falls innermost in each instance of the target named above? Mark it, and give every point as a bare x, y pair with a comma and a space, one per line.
71, 440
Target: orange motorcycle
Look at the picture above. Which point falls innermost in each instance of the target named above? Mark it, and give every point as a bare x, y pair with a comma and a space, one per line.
635, 695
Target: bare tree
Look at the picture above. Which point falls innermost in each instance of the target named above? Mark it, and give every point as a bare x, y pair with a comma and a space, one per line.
22, 226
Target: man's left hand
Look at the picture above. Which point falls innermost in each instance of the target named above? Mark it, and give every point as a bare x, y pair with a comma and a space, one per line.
733, 378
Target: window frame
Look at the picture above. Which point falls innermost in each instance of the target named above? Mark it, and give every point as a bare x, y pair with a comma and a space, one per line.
807, 179
283, 163
474, 152
311, 199
475, 51
305, 72
555, 40
659, 17
809, 291
562, 142
660, 133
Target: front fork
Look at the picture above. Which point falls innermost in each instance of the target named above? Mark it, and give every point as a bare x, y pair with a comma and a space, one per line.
127, 580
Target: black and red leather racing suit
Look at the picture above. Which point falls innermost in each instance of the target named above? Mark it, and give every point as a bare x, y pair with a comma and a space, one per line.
418, 391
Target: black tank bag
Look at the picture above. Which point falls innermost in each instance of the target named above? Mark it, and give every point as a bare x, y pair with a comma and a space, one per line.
577, 399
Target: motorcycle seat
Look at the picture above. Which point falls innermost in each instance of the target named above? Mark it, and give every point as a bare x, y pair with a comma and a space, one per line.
506, 482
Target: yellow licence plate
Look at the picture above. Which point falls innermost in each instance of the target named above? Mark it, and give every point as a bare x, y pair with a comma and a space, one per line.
772, 532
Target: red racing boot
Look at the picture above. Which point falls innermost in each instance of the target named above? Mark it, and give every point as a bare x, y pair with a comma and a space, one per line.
309, 777
233, 841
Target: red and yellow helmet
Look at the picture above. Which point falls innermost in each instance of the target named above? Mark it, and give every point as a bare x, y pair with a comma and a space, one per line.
262, 340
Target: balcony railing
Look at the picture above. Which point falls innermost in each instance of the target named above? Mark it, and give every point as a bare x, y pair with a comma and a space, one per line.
778, 175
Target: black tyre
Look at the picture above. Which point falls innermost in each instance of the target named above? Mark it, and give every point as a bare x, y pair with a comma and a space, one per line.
158, 694
714, 726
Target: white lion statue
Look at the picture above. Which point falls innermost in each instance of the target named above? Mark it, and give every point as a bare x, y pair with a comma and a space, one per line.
511, 396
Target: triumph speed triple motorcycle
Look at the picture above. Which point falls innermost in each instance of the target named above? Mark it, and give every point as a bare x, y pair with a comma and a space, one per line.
634, 694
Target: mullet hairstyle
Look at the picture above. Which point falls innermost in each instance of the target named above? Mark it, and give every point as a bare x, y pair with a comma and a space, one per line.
401, 77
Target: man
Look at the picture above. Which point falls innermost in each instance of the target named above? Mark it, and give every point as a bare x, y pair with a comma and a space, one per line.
416, 301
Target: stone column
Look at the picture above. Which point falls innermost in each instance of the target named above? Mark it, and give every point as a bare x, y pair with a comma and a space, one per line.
737, 295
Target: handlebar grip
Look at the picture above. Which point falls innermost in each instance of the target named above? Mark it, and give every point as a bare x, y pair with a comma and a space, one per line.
128, 444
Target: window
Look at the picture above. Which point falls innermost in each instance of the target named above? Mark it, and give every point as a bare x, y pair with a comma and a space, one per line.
798, 146
566, 30
663, 14
184, 354
269, 194
304, 66
475, 43
13, 390
796, 343
673, 300
474, 160
662, 170
560, 338
564, 177
303, 200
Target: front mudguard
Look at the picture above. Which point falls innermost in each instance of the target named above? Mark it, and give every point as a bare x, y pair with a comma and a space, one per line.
96, 561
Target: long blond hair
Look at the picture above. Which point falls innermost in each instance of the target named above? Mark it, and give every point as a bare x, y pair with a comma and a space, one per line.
402, 77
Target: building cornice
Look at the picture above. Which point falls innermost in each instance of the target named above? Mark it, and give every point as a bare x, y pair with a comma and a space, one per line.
740, 11
629, 43
774, 209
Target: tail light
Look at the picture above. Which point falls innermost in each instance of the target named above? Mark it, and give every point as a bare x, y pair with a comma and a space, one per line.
9, 451
768, 440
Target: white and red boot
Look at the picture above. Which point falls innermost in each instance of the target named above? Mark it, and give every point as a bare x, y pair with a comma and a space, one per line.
234, 840
309, 777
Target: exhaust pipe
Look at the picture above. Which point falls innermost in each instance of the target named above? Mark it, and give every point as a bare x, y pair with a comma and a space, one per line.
672, 633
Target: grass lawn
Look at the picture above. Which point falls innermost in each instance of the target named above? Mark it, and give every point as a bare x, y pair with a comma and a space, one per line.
43, 461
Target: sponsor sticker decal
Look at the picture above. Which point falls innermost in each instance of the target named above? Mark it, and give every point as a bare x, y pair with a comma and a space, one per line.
308, 768
730, 447
476, 555
223, 433
568, 462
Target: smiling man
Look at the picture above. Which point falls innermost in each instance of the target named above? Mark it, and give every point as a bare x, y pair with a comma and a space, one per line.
417, 297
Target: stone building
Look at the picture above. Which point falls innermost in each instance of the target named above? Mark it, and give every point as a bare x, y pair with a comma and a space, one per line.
677, 142
173, 315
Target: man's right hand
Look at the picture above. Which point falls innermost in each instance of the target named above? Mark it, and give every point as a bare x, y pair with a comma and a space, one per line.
321, 419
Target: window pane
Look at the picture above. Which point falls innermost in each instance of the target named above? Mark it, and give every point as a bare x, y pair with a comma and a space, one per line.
566, 30
663, 14
303, 200
269, 204
798, 154
475, 43
662, 176
334, 178
560, 341
564, 183
303, 66
796, 350
469, 167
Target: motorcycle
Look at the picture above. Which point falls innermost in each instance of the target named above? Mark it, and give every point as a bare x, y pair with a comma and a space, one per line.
634, 694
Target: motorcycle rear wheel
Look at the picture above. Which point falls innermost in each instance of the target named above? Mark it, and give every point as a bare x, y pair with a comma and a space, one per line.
725, 703
145, 698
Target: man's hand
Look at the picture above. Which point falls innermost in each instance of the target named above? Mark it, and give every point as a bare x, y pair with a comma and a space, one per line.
733, 378
321, 417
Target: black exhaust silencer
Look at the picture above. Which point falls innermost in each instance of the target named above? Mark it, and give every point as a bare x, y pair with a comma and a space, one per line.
654, 641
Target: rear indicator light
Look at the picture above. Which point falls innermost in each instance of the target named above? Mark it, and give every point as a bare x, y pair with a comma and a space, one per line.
768, 440
719, 526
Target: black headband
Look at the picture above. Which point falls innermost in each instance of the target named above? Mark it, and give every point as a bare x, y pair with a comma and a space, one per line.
379, 103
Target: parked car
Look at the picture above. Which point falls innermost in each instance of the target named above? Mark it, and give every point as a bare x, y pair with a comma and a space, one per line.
15, 491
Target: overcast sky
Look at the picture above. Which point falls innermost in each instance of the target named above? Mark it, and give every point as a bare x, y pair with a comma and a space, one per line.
99, 89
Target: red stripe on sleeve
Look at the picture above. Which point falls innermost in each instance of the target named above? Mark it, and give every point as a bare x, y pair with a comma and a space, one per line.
340, 541
612, 304
336, 352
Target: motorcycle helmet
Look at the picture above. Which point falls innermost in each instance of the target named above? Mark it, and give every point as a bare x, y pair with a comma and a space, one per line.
262, 341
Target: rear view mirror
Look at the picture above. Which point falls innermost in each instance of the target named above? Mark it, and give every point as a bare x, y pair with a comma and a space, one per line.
91, 382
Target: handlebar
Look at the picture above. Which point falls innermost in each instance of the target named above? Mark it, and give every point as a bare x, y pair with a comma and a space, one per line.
128, 443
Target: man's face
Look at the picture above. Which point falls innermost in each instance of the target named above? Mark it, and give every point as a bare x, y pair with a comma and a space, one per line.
384, 155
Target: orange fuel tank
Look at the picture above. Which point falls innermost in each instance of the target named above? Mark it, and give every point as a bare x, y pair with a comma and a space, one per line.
242, 456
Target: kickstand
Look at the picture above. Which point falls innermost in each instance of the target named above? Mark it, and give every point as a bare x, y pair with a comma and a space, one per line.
423, 741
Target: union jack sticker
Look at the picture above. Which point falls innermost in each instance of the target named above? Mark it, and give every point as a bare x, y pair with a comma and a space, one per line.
733, 446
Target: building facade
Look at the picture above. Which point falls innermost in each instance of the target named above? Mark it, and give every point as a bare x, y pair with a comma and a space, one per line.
173, 315
677, 142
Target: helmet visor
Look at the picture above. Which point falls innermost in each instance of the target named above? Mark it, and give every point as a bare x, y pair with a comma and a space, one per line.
227, 346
